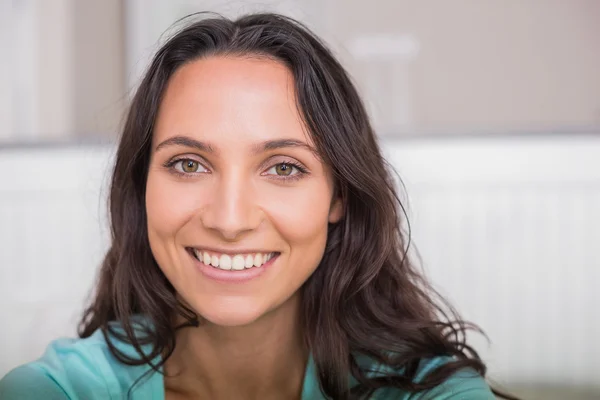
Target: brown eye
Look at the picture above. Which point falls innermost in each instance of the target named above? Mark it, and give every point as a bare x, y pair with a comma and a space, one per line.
189, 166
283, 169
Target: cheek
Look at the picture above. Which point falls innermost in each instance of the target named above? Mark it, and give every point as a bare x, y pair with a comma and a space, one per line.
169, 205
301, 218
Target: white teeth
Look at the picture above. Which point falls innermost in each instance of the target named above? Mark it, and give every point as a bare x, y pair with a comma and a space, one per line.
199, 256
225, 262
238, 263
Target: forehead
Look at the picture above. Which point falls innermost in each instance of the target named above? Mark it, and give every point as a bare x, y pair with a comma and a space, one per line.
240, 98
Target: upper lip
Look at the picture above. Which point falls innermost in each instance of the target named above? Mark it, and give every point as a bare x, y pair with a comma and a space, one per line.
230, 251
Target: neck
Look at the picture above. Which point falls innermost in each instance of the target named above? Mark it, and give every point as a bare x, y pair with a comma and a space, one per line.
265, 359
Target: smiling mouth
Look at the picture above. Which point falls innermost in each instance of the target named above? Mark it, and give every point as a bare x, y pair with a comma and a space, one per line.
231, 262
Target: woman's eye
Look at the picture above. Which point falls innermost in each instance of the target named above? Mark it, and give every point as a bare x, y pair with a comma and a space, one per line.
188, 166
283, 169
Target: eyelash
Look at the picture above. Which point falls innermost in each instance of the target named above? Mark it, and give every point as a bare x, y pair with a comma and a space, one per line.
171, 164
300, 174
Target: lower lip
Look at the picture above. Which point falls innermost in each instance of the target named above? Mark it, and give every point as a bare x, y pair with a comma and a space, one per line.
232, 276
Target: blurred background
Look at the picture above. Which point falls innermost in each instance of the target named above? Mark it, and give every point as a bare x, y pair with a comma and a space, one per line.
488, 109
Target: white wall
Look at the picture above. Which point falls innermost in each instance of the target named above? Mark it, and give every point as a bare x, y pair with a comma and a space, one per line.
507, 228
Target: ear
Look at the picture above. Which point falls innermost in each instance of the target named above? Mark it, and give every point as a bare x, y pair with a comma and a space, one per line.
336, 210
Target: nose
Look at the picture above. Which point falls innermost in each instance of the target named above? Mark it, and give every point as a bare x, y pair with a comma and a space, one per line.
232, 209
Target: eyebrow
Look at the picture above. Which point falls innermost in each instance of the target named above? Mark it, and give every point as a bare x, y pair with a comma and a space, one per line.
281, 144
186, 142
265, 146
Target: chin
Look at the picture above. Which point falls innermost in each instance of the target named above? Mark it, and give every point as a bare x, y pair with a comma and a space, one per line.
230, 312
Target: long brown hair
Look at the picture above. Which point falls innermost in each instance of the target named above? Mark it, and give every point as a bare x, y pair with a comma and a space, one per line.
366, 297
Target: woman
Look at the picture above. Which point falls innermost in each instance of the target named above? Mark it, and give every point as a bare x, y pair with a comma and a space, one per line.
257, 250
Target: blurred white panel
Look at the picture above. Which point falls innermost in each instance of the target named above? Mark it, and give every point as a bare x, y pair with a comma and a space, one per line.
508, 230
52, 239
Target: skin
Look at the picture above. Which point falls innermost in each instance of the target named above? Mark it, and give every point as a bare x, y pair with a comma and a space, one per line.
250, 342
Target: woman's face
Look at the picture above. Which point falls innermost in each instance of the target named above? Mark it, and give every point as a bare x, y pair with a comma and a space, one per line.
238, 201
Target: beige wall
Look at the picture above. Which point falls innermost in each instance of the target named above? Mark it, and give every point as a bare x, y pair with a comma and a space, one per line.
6, 117
99, 56
477, 65
489, 64
76, 86
55, 70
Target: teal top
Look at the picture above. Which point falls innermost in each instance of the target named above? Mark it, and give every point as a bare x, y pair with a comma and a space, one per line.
85, 369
